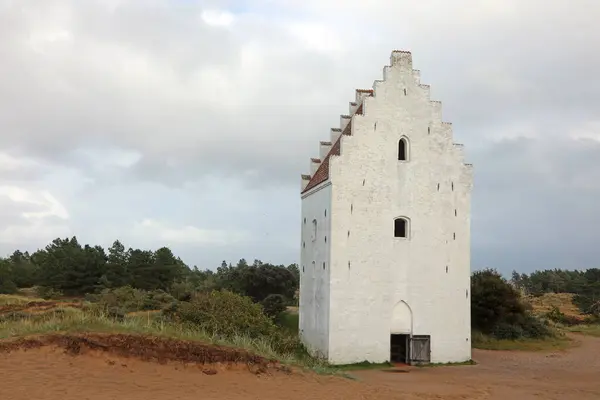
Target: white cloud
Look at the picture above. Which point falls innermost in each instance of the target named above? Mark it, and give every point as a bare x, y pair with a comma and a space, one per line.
44, 201
218, 18
31, 236
31, 218
316, 37
158, 231
589, 130
11, 163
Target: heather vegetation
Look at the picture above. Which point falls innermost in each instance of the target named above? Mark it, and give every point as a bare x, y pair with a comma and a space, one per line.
249, 305
584, 285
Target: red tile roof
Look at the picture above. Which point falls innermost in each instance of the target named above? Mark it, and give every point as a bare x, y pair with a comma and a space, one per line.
322, 173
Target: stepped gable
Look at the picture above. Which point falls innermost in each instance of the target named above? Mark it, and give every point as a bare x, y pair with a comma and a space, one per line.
322, 173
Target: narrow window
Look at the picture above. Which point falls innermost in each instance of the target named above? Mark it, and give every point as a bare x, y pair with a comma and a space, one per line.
363, 182
402, 149
303, 268
325, 212
348, 264
400, 228
438, 187
428, 130
405, 92
303, 245
304, 220
323, 265
452, 186
351, 208
314, 230
455, 213
454, 236
446, 269
325, 239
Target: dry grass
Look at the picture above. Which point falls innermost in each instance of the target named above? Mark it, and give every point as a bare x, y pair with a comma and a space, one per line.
563, 301
65, 319
9, 299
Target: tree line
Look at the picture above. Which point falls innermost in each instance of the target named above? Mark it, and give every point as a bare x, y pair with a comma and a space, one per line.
70, 269
67, 268
585, 285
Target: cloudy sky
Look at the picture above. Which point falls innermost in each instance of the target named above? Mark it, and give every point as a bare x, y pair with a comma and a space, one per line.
187, 123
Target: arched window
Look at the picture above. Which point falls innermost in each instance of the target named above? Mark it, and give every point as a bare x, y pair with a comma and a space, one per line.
401, 227
403, 149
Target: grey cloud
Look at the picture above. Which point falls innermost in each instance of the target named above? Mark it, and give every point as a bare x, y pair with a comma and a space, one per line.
535, 204
131, 78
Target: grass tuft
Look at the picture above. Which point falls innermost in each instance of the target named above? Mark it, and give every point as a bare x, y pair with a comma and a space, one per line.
13, 299
558, 342
74, 320
590, 330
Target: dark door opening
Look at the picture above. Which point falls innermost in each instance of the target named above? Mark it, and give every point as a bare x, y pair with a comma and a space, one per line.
399, 349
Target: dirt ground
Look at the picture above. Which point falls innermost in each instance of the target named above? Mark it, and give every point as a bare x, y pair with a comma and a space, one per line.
69, 369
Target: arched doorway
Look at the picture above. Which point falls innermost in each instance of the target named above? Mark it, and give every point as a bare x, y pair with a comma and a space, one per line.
400, 333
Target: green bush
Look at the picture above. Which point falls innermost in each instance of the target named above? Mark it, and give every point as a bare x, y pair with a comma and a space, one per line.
48, 293
535, 328
229, 315
225, 314
273, 305
494, 301
529, 327
556, 315
123, 300
504, 331
589, 303
8, 287
182, 291
498, 310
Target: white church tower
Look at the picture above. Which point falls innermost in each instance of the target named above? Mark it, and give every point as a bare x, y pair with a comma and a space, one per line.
385, 259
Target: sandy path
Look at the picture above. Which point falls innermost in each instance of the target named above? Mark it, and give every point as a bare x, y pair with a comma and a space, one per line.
49, 374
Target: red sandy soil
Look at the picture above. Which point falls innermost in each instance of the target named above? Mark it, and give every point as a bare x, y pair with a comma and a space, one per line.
100, 367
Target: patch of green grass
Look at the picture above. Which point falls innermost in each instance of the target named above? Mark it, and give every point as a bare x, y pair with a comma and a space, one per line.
484, 342
448, 364
590, 330
365, 365
288, 321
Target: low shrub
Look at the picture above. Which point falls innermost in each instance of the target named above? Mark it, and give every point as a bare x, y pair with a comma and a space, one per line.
120, 301
535, 328
224, 313
273, 305
558, 316
8, 287
504, 331
527, 327
48, 293
229, 315
182, 291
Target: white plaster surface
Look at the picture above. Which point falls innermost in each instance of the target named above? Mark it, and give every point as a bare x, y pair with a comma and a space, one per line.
375, 284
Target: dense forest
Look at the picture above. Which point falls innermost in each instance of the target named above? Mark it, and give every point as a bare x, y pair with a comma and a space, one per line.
67, 268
